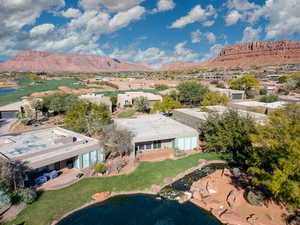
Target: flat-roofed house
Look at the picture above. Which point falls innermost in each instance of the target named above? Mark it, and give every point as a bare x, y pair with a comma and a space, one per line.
230, 93
194, 117
128, 98
97, 99
51, 148
157, 132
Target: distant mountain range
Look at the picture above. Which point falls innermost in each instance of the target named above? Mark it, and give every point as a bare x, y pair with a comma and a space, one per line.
56, 62
239, 55
246, 55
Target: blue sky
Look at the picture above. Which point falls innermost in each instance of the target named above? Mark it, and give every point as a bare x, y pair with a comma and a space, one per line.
150, 31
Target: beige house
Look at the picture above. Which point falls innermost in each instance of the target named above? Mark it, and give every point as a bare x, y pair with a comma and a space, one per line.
97, 99
230, 93
128, 98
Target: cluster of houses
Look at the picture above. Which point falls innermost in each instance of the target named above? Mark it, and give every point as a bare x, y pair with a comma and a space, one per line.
54, 148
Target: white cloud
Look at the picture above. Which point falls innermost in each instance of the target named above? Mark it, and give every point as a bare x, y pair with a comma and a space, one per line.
155, 56
195, 15
71, 13
211, 37
122, 19
208, 23
111, 5
196, 36
241, 5
213, 52
41, 29
250, 34
164, 5
233, 17
283, 18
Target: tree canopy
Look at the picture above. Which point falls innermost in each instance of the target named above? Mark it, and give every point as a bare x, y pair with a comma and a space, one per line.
59, 103
141, 104
214, 98
166, 106
275, 161
86, 117
246, 83
191, 92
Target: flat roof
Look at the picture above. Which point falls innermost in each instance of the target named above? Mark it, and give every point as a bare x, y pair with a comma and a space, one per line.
272, 105
133, 94
155, 127
44, 146
196, 112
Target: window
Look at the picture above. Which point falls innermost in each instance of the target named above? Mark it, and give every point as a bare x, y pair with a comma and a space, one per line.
94, 157
149, 146
157, 144
85, 160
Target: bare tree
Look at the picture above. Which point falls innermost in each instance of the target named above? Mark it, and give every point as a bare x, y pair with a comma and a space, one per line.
118, 142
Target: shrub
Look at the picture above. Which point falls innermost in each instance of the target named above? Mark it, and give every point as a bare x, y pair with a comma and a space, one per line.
220, 85
161, 87
269, 98
255, 198
263, 91
28, 195
100, 168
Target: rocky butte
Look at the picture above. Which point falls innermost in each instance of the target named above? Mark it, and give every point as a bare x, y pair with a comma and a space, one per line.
246, 55
57, 62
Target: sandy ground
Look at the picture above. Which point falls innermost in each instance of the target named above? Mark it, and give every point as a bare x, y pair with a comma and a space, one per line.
216, 191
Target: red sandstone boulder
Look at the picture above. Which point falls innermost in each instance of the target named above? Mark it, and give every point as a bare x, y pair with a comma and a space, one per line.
155, 188
232, 218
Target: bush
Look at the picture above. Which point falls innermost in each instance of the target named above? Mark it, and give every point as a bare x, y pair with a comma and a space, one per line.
255, 198
220, 85
161, 87
263, 91
100, 168
28, 195
269, 98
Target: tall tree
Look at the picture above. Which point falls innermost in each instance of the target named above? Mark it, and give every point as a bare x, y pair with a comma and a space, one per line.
191, 92
229, 132
214, 98
86, 117
246, 83
141, 104
275, 161
166, 106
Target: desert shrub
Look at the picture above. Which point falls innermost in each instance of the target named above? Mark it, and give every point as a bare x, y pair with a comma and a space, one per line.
269, 98
263, 91
28, 195
161, 87
255, 198
100, 168
220, 85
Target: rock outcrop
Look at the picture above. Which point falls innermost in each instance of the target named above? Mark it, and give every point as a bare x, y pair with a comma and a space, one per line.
56, 62
246, 55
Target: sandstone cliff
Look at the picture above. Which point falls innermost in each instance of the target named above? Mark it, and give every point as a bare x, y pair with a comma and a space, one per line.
56, 62
246, 55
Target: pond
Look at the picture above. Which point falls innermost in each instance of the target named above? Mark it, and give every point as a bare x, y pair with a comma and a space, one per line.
140, 209
6, 91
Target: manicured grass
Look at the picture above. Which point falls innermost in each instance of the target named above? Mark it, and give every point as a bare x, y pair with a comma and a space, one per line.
127, 114
27, 88
52, 205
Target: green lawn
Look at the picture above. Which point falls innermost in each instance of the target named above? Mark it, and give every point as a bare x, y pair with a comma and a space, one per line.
127, 114
27, 88
52, 205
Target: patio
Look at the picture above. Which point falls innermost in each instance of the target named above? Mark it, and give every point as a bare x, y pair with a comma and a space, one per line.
66, 178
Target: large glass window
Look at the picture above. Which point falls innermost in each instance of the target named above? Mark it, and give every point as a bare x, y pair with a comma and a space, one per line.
85, 160
94, 157
157, 145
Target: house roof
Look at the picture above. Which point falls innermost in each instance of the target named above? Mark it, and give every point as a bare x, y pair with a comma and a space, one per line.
44, 146
155, 127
